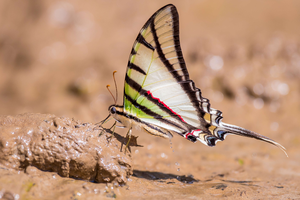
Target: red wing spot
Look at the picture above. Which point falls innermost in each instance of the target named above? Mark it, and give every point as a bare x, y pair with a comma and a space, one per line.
149, 93
186, 136
192, 133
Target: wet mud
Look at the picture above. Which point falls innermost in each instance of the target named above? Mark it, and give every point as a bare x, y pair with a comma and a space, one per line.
56, 57
33, 142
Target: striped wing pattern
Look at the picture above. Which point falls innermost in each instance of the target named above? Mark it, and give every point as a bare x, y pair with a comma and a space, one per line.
158, 93
158, 90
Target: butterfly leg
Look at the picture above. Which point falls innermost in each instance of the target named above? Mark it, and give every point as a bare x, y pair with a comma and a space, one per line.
100, 127
128, 135
103, 121
113, 131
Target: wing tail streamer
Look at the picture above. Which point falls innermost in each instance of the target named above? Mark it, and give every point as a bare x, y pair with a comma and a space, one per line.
236, 130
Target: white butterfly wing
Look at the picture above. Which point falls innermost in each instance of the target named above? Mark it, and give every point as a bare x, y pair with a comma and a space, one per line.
159, 93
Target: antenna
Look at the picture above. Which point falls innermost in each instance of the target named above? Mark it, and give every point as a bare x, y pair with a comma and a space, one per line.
111, 94
115, 86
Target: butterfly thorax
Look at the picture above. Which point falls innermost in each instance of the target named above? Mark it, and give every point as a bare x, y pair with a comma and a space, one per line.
121, 116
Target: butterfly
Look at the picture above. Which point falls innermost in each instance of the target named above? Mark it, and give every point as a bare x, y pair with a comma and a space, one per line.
159, 96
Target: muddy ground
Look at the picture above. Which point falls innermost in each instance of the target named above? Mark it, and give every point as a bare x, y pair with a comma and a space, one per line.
56, 57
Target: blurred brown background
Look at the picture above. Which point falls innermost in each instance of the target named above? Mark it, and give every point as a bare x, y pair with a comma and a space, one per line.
57, 57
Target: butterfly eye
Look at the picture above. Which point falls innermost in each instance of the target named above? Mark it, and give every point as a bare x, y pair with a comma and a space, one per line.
112, 110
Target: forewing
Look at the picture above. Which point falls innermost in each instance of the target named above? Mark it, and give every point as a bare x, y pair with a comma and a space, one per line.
157, 85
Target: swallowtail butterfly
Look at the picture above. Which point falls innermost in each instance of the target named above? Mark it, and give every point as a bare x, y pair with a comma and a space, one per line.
159, 96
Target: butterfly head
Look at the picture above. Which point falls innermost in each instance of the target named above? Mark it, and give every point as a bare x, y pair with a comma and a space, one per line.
112, 109
115, 110
117, 113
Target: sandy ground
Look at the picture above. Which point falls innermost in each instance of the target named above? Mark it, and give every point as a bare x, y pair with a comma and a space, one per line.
56, 57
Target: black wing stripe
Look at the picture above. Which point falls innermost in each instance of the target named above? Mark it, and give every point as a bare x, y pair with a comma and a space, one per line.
154, 128
191, 90
140, 121
133, 52
177, 42
136, 68
142, 40
134, 85
151, 113
160, 52
143, 108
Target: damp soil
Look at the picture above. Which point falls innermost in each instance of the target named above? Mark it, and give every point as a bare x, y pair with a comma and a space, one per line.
56, 58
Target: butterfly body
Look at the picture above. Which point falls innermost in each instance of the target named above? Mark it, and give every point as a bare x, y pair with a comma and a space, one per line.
159, 96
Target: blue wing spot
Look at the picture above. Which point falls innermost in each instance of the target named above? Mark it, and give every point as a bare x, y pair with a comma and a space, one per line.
221, 134
211, 141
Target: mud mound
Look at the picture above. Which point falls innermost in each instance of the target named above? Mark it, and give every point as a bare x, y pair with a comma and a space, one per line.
66, 146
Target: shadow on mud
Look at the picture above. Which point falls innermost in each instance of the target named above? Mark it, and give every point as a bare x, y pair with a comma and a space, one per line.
162, 177
121, 139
